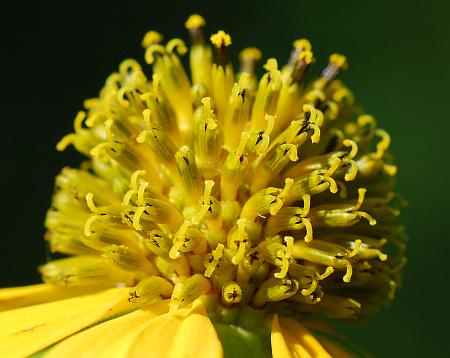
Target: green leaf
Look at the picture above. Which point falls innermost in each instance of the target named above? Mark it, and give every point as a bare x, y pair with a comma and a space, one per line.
240, 343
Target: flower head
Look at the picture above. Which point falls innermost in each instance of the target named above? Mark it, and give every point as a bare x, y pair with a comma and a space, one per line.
218, 197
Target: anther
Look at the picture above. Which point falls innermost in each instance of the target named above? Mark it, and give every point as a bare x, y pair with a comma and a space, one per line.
299, 46
231, 293
212, 261
266, 100
275, 289
249, 57
195, 25
149, 289
221, 42
187, 291
336, 64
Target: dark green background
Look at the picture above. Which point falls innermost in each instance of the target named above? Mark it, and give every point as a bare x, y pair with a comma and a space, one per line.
54, 56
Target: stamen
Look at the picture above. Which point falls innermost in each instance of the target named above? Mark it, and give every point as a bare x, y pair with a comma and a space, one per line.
222, 75
187, 291
249, 265
200, 58
173, 78
231, 293
233, 169
212, 261
83, 270
324, 253
313, 114
238, 239
209, 206
275, 289
195, 24
208, 136
221, 42
149, 289
128, 260
249, 57
158, 141
265, 201
238, 111
259, 139
272, 164
267, 96
299, 46
189, 175
159, 243
296, 64
336, 64
305, 59
187, 239
310, 184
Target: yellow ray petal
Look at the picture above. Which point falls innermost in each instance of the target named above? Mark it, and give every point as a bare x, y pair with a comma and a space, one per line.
15, 297
112, 338
155, 340
334, 350
296, 336
196, 338
24, 331
177, 335
280, 348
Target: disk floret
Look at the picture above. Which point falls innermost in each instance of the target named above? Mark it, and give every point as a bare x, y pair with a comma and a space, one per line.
267, 193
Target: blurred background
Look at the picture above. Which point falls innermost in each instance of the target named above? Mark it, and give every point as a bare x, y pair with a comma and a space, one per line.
56, 55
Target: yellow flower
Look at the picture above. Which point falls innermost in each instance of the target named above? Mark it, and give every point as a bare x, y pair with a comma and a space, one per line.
210, 210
